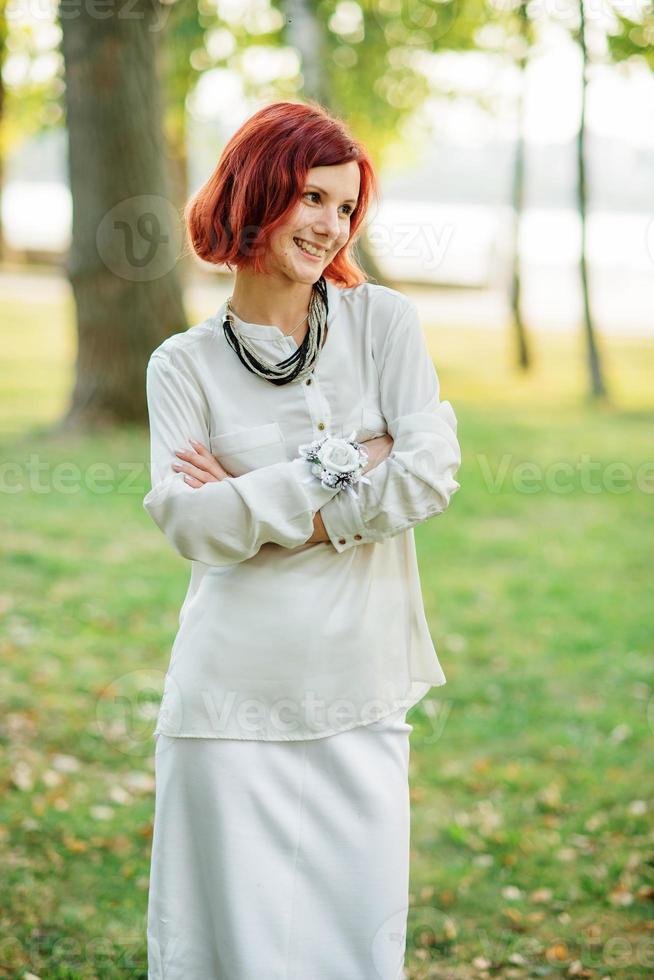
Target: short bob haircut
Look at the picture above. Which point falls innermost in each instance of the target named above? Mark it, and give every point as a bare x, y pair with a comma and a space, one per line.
259, 179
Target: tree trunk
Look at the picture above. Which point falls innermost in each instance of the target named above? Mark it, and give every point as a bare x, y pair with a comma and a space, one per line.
126, 231
597, 386
3, 56
305, 31
518, 197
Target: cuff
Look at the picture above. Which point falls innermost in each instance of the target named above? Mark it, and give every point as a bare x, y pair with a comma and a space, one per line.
344, 522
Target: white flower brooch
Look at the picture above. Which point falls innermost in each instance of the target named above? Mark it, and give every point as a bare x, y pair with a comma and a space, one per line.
337, 463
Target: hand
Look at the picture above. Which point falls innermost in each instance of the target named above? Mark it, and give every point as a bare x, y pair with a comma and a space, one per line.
319, 531
378, 449
201, 466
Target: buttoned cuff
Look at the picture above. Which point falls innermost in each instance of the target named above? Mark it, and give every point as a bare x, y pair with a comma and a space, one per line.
344, 522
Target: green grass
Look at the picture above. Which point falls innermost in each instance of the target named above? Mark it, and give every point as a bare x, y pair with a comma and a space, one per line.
530, 769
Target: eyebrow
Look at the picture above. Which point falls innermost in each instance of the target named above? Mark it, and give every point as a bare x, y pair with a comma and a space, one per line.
316, 188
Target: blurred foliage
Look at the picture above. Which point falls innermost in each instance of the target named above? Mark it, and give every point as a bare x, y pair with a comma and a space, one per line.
375, 66
183, 38
632, 38
374, 69
32, 72
374, 60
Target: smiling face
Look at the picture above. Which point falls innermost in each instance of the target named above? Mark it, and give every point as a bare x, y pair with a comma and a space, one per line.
319, 226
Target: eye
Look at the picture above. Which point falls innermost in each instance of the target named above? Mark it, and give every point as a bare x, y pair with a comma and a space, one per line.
348, 207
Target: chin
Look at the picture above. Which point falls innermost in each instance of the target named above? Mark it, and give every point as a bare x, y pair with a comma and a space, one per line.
308, 276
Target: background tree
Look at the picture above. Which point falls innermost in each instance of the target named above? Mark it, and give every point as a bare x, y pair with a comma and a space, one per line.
3, 52
35, 104
30, 99
597, 383
523, 39
360, 60
309, 35
126, 237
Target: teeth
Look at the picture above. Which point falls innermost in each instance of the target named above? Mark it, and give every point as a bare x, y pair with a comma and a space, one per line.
307, 247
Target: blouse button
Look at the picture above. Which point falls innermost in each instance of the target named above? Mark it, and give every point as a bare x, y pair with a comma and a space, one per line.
357, 537
341, 540
308, 381
321, 425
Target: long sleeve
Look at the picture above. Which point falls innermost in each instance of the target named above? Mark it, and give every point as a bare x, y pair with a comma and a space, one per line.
416, 480
226, 521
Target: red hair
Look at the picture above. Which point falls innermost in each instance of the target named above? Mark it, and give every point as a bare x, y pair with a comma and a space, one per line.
259, 180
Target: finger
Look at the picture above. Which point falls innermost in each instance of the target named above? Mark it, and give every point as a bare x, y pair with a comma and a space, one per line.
200, 462
209, 456
205, 461
192, 481
195, 471
199, 447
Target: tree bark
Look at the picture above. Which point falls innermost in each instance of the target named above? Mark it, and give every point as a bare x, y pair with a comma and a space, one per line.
597, 385
3, 56
304, 31
518, 195
126, 235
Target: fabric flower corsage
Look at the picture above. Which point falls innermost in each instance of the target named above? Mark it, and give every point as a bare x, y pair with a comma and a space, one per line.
337, 463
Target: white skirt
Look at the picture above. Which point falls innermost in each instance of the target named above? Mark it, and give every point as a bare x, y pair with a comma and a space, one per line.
283, 860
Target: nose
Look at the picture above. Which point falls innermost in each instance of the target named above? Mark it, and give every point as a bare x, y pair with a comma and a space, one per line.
327, 225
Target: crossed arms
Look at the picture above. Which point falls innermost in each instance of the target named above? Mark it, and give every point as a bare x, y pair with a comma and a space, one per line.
201, 466
226, 519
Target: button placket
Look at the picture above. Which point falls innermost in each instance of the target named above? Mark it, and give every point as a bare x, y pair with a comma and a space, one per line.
319, 410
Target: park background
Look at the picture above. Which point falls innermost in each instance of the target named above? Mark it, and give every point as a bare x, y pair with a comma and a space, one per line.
515, 149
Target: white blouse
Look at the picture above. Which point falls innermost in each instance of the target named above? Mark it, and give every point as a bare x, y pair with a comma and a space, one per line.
280, 639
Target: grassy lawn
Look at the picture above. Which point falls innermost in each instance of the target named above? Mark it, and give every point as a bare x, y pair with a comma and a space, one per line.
532, 847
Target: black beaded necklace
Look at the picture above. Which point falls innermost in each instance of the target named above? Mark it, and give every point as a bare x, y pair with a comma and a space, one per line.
302, 361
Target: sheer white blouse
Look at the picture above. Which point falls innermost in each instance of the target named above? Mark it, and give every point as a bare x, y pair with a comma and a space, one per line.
279, 639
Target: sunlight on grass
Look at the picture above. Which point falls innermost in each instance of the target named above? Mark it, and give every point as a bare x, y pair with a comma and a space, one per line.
477, 367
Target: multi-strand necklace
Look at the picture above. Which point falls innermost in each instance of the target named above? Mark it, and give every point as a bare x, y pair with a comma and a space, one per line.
302, 361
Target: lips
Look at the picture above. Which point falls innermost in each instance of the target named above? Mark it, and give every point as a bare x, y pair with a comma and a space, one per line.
309, 255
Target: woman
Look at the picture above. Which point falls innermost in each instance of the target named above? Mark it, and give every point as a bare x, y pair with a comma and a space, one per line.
297, 437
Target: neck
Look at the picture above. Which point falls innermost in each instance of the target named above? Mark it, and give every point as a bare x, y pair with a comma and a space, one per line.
266, 300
